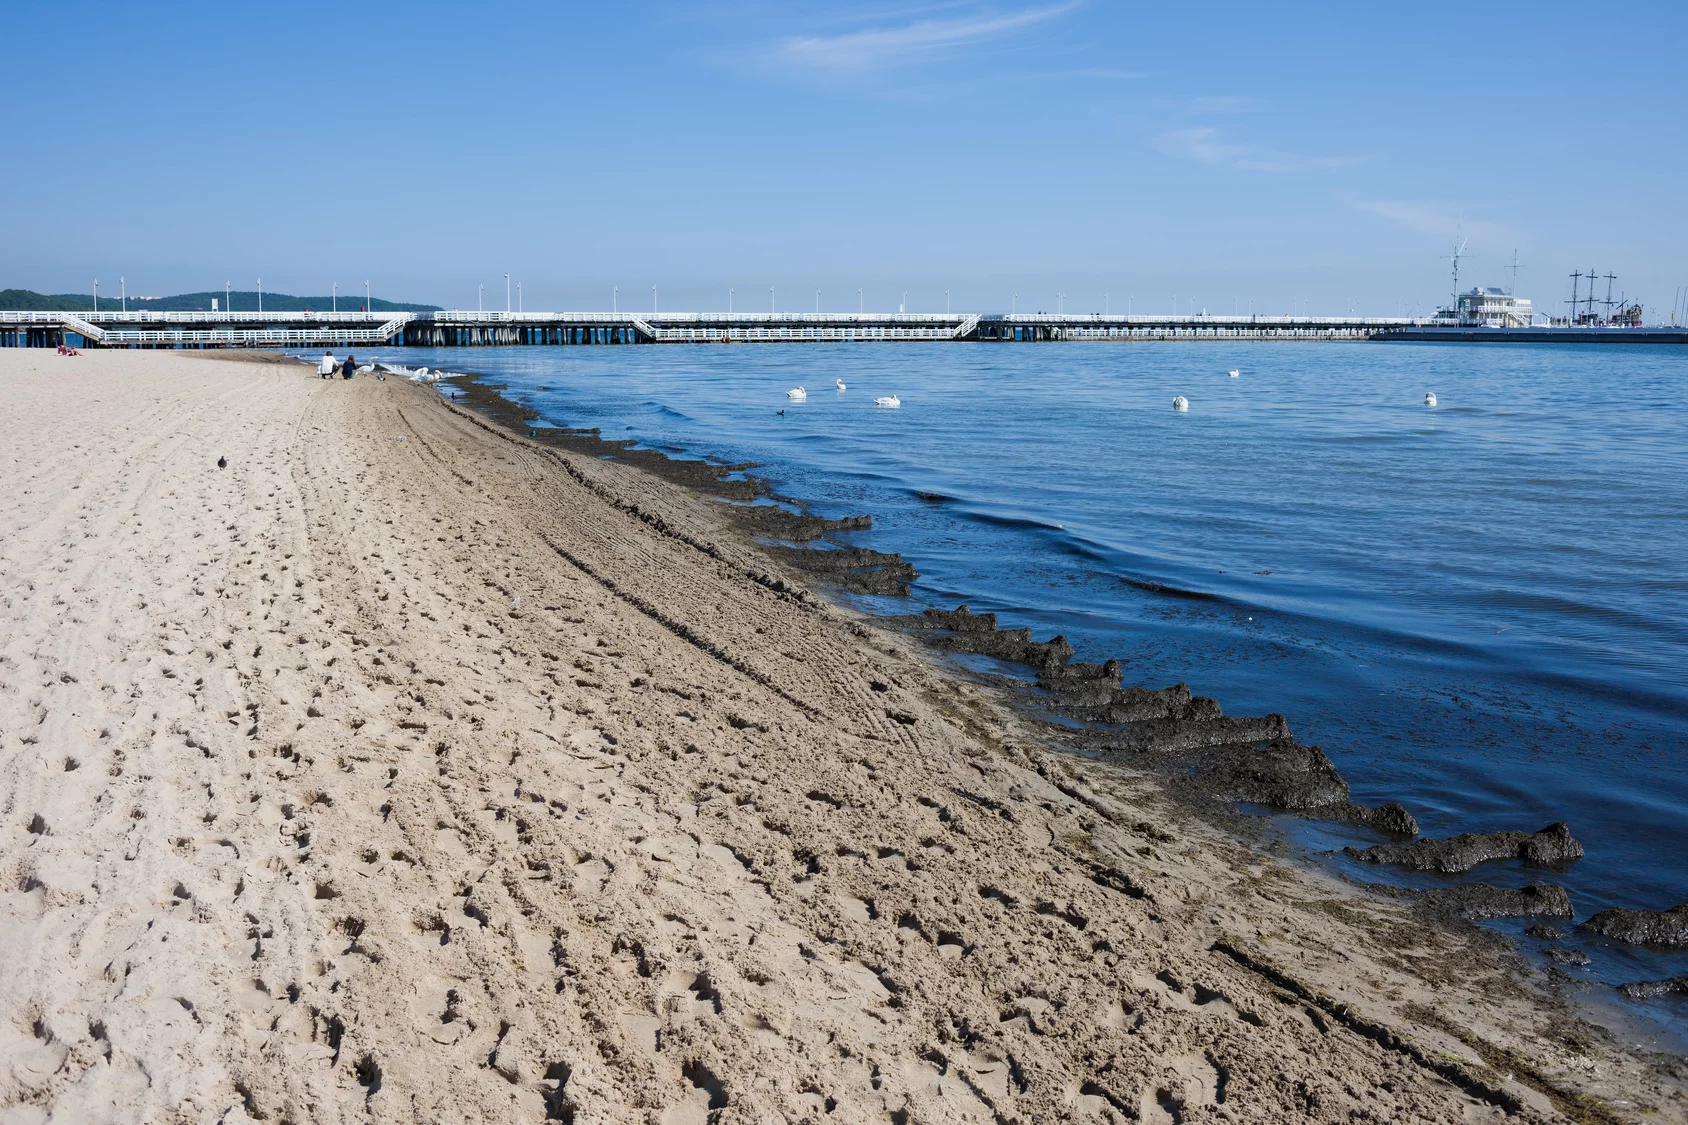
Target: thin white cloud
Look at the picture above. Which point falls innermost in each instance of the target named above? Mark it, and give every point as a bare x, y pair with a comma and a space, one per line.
1207, 144
1211, 104
1201, 144
910, 43
1107, 74
1437, 219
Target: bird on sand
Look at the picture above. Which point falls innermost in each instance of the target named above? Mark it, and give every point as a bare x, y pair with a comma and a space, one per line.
222, 462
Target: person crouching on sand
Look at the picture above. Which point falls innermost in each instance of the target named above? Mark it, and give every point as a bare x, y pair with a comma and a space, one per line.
327, 366
349, 366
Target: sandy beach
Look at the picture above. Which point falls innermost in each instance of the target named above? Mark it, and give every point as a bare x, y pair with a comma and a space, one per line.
406, 769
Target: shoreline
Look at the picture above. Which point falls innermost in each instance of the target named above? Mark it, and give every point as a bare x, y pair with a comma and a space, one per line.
1307, 785
1294, 782
523, 786
1287, 781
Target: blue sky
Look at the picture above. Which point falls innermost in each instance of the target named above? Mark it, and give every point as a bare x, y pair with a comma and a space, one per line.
1315, 157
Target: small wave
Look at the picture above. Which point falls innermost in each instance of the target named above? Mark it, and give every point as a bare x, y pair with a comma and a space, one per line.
1152, 587
996, 520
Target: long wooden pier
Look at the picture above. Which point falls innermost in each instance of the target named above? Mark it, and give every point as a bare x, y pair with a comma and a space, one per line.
362, 330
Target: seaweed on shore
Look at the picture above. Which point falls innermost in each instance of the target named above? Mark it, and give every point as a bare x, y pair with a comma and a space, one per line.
1553, 845
1188, 736
1642, 927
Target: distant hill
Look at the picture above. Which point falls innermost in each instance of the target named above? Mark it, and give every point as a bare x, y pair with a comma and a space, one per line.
26, 300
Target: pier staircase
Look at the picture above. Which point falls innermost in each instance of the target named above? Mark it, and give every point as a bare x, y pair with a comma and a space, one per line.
968, 326
89, 332
394, 327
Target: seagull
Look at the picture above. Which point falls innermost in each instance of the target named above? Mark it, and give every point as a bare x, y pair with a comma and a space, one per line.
1234, 373
1430, 399
840, 383
782, 413
888, 400
222, 462
1180, 403
797, 394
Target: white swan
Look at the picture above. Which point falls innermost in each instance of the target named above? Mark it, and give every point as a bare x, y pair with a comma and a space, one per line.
840, 383
888, 400
1180, 403
797, 394
1430, 399
1234, 373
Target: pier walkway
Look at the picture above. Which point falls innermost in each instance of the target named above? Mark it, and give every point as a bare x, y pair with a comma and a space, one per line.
456, 328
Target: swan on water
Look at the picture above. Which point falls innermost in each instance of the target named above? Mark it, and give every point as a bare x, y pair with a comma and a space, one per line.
797, 393
1180, 403
888, 400
1234, 373
1430, 399
840, 383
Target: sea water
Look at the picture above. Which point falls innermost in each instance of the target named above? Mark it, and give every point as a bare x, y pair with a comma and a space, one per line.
1478, 609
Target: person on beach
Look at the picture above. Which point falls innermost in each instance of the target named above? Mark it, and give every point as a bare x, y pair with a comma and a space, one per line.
349, 366
327, 366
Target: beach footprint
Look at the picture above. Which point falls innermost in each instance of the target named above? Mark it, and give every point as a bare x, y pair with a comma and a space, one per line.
1185, 1083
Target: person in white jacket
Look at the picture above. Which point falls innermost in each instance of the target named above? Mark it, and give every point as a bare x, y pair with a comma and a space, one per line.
327, 366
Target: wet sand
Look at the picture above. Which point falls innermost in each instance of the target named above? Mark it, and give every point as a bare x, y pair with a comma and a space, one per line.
411, 769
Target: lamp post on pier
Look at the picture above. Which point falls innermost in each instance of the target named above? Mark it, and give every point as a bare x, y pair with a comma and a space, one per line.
368, 305
260, 295
123, 290
729, 301
770, 300
506, 294
334, 298
518, 296
480, 291
96, 294
227, 284
615, 299
861, 303
653, 300
1014, 306
817, 302
946, 302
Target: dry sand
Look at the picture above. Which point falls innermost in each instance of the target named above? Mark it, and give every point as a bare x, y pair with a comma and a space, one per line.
406, 771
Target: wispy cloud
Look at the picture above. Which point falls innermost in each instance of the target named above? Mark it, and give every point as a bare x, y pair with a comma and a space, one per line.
1439, 219
1106, 74
1207, 144
1212, 104
911, 42
1202, 144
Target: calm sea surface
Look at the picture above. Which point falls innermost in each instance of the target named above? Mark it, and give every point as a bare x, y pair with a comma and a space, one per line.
1479, 610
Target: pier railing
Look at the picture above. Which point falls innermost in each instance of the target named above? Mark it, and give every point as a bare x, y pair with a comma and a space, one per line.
461, 327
